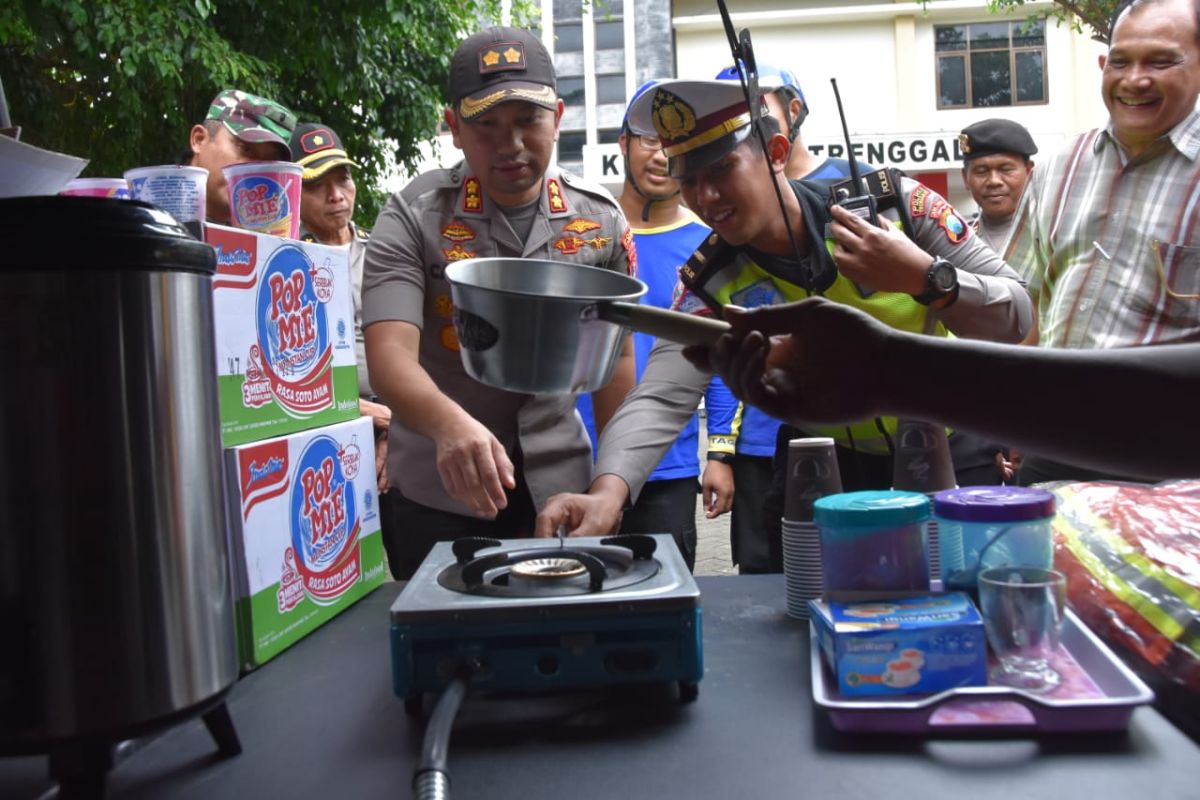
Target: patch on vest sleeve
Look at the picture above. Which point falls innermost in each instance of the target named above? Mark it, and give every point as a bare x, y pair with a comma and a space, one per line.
948, 220
762, 293
918, 201
686, 301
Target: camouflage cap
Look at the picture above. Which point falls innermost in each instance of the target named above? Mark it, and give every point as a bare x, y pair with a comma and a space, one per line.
252, 118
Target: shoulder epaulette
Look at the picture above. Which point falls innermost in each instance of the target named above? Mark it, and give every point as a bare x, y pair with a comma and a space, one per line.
587, 187
430, 181
712, 255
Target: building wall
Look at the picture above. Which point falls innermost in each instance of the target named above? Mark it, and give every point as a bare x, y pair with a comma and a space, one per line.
881, 53
883, 58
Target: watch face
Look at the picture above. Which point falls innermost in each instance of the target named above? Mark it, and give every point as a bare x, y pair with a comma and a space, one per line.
944, 277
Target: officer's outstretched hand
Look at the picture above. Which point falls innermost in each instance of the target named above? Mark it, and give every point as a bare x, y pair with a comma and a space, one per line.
814, 361
473, 466
597, 513
880, 258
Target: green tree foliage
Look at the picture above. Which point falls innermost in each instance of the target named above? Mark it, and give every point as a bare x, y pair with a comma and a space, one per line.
1093, 15
122, 81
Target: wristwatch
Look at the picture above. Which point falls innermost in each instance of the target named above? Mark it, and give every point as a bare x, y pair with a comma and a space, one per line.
941, 281
716, 455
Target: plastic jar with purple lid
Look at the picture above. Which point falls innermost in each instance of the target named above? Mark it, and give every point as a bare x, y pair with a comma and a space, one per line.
992, 526
873, 541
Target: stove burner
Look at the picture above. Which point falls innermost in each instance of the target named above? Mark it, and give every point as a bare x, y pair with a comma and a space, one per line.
550, 571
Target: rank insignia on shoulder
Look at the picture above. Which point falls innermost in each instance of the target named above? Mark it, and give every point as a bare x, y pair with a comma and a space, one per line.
472, 196
558, 203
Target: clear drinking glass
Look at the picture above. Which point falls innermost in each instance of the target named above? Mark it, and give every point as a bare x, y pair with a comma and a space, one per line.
1022, 611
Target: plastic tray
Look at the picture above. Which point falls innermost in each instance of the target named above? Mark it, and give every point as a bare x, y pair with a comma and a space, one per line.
1099, 693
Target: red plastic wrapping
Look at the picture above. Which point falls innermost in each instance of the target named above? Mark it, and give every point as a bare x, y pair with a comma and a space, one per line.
1131, 554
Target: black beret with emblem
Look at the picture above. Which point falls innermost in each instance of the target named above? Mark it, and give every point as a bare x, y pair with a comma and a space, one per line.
498, 65
991, 137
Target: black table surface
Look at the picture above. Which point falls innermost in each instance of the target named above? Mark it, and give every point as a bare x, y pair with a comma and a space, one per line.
320, 721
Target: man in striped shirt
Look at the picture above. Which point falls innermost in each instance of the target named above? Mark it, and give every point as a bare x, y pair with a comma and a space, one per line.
1108, 233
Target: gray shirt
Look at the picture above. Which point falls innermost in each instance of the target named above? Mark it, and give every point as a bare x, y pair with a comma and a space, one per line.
442, 216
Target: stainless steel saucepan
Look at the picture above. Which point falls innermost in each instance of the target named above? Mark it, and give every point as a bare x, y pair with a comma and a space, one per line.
537, 326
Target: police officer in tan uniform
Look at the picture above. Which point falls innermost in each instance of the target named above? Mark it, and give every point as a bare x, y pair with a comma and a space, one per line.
468, 459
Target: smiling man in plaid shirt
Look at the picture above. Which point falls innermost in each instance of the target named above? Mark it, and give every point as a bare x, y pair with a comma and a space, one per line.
1108, 234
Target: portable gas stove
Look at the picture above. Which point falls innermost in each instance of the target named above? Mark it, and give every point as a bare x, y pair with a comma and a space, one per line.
534, 614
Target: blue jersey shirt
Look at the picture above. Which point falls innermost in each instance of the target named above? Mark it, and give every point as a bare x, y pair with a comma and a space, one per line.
660, 253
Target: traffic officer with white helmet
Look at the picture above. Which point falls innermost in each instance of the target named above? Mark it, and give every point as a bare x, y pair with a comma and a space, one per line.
920, 269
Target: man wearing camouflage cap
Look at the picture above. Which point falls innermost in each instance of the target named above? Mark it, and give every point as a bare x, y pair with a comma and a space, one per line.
467, 459
239, 127
920, 269
996, 167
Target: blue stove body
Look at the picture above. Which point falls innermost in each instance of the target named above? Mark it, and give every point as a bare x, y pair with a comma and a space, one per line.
642, 625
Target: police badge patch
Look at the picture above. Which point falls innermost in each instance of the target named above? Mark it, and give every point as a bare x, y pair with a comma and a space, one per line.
762, 293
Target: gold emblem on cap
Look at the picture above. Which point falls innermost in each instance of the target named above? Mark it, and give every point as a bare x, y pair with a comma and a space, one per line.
673, 118
491, 58
964, 142
318, 139
512, 55
471, 107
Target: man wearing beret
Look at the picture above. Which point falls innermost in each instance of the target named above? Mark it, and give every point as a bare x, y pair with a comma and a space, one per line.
239, 127
920, 269
468, 459
996, 167
1108, 233
327, 197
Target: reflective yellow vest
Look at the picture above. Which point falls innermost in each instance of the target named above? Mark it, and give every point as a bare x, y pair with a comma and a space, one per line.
732, 276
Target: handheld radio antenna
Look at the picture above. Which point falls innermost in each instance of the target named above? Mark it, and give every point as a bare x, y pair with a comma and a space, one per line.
743, 58
855, 175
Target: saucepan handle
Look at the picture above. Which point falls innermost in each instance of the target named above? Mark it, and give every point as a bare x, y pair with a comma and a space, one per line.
673, 325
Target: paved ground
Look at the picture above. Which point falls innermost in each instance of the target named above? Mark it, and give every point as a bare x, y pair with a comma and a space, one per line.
712, 535
712, 545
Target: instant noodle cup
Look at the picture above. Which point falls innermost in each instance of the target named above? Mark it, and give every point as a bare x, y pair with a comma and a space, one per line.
264, 196
98, 187
180, 191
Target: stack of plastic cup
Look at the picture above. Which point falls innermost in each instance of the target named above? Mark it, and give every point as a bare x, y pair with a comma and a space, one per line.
812, 473
180, 191
97, 187
923, 464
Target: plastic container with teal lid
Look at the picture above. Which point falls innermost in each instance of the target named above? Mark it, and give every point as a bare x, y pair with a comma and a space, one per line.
873, 541
992, 526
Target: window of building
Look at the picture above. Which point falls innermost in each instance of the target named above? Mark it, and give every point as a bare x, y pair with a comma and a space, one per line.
570, 147
987, 64
571, 91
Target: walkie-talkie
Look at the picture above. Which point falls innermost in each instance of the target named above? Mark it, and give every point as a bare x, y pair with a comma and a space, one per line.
861, 203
